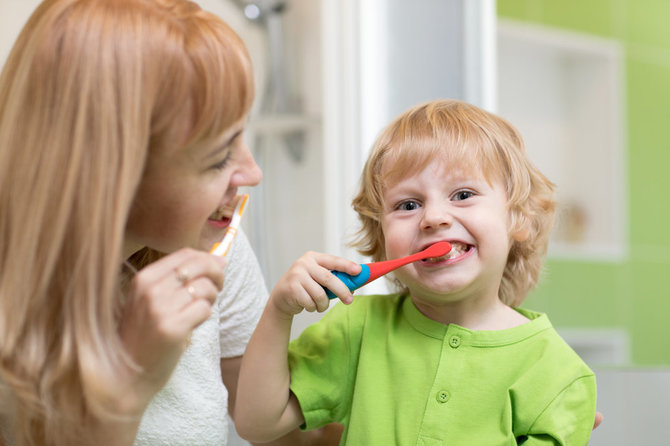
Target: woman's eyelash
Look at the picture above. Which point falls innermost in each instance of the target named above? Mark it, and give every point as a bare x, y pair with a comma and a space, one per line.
223, 163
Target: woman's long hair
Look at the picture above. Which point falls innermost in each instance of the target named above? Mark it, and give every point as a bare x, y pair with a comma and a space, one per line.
90, 89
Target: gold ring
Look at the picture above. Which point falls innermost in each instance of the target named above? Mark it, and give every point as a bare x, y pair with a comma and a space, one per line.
182, 275
191, 291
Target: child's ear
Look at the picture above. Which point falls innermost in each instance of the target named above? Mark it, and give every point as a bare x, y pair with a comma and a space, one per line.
521, 232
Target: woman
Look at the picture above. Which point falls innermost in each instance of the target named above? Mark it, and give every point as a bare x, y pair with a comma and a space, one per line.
121, 154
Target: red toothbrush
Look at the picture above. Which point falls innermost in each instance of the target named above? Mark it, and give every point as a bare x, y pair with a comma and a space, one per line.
372, 271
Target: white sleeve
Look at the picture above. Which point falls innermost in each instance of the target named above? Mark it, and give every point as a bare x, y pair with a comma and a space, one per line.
243, 298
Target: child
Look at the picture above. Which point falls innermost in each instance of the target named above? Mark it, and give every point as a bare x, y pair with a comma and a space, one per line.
449, 359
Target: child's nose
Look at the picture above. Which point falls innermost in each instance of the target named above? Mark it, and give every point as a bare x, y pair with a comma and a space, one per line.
436, 217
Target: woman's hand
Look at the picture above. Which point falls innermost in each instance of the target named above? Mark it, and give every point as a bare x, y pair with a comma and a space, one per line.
302, 286
166, 301
598, 420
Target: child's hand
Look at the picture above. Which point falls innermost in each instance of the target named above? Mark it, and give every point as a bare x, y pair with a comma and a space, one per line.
302, 286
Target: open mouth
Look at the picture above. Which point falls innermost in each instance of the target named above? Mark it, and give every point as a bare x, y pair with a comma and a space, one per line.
223, 213
457, 249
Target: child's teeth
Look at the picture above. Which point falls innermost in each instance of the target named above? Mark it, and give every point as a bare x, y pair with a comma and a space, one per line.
456, 250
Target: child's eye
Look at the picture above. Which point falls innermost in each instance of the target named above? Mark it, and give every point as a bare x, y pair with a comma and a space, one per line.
462, 195
408, 205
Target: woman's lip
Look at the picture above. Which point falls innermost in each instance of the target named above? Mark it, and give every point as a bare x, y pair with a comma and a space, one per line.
220, 224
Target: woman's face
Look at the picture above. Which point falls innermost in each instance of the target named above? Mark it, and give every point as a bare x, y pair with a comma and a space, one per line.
186, 196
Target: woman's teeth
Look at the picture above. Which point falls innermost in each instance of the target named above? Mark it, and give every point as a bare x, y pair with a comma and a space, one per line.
222, 213
457, 249
225, 211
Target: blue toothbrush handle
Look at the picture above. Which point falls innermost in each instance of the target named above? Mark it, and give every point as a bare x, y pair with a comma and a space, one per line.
352, 282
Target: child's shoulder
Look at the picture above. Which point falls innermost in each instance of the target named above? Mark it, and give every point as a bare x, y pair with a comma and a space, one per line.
555, 349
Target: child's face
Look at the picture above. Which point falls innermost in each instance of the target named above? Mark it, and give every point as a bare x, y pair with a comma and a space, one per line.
461, 207
177, 202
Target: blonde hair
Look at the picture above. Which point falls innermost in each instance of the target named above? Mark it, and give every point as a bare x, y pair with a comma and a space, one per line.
472, 139
89, 91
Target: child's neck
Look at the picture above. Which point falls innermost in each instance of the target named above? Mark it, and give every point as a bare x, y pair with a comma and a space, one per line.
473, 315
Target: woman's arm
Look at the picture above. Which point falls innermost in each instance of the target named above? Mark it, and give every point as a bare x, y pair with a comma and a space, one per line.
110, 433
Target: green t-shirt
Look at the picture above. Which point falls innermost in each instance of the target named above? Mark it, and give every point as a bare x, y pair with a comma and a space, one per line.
395, 377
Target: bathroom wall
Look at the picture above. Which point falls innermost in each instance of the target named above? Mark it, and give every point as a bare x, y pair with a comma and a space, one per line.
633, 402
13, 15
631, 293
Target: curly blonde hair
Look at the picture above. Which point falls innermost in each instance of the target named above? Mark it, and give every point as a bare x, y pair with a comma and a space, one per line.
90, 90
466, 136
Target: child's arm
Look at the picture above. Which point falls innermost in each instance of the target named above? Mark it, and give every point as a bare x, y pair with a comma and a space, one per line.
265, 408
569, 419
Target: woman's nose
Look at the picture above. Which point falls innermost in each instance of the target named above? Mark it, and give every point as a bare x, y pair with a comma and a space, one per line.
248, 172
435, 217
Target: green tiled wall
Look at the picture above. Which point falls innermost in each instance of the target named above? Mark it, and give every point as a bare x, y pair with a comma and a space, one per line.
633, 294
